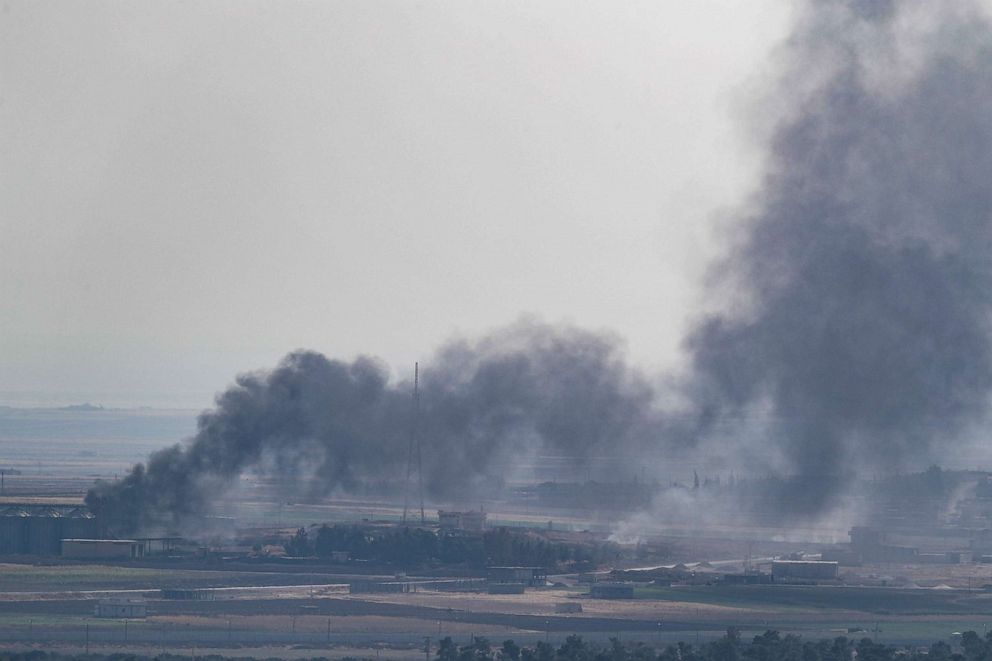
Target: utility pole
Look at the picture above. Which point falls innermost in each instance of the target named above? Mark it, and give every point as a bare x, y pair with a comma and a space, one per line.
87, 639
427, 648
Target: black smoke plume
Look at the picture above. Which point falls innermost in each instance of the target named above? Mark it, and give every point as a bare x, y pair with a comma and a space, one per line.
332, 425
859, 294
853, 335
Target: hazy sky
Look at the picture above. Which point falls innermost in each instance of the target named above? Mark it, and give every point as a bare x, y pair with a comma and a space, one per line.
192, 189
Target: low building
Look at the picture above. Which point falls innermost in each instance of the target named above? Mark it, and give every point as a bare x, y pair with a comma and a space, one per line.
804, 570
843, 557
611, 591
529, 576
747, 578
568, 607
948, 558
473, 521
109, 549
121, 608
188, 595
506, 588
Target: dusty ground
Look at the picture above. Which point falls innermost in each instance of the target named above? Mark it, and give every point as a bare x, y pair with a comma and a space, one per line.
542, 602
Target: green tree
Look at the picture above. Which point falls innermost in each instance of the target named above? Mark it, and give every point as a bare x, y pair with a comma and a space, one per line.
298, 545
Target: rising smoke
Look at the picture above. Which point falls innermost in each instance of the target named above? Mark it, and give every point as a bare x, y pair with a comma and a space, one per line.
861, 289
332, 425
854, 334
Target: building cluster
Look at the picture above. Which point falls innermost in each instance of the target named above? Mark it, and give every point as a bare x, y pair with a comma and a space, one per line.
68, 530
40, 529
873, 545
514, 580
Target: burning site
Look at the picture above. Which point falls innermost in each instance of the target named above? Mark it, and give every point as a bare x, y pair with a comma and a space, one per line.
852, 337
813, 459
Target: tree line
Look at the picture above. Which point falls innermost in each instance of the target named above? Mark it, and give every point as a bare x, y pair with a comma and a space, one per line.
769, 646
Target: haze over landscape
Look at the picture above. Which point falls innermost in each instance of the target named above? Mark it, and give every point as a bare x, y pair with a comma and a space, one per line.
699, 297
194, 191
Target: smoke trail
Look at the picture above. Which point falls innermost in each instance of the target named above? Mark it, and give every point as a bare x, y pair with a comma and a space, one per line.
859, 324
332, 425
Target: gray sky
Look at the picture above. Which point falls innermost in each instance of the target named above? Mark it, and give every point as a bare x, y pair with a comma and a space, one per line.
190, 189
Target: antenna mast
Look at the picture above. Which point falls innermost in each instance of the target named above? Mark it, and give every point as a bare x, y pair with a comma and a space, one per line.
416, 434
414, 446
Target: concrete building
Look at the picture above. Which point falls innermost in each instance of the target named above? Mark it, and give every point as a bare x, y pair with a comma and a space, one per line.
40, 529
871, 545
568, 607
106, 549
804, 570
121, 608
529, 576
472, 521
866, 537
506, 588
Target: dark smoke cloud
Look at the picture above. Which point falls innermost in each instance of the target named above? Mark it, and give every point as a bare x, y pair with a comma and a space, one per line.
855, 335
331, 425
862, 288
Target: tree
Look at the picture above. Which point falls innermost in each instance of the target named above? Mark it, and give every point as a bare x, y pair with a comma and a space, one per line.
574, 649
447, 650
510, 651
299, 544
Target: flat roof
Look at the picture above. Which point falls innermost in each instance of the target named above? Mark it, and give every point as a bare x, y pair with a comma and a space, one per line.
103, 541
